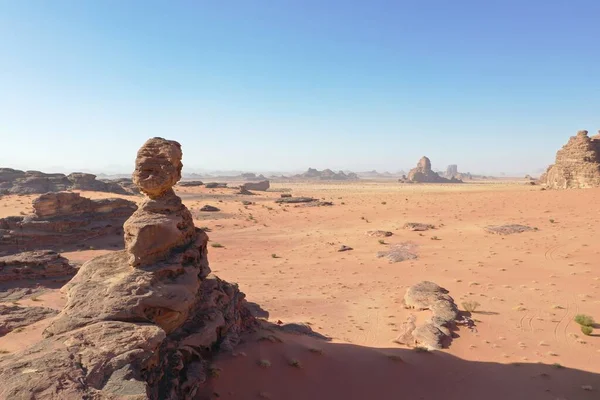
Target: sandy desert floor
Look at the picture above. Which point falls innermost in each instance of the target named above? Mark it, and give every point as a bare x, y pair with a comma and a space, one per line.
529, 286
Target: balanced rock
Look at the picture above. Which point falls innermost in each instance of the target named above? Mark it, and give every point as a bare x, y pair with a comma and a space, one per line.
577, 164
140, 323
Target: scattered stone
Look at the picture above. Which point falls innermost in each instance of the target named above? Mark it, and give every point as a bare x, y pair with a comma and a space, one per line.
292, 200
417, 226
210, 208
13, 317
215, 185
61, 219
262, 186
245, 192
285, 195
345, 248
399, 252
379, 233
577, 164
35, 266
508, 229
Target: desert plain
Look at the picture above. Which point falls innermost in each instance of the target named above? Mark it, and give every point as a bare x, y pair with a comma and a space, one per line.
528, 286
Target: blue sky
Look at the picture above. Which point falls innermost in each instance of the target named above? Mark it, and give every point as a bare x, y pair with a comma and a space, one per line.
493, 86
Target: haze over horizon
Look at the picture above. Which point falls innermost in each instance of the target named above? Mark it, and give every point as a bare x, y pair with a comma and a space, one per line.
494, 87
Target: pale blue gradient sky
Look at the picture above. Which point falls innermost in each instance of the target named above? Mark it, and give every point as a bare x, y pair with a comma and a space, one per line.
283, 85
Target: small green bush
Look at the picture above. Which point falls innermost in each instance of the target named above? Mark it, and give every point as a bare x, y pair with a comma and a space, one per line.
587, 330
584, 320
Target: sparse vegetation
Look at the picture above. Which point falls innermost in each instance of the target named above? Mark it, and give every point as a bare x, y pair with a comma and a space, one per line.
584, 320
315, 350
421, 349
557, 366
295, 363
587, 330
2, 351
381, 241
470, 306
214, 371
216, 245
264, 363
551, 220
394, 357
274, 256
435, 238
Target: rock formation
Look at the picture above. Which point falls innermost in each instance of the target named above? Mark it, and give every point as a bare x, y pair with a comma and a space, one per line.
14, 181
327, 175
190, 183
577, 164
61, 219
435, 333
35, 266
424, 174
139, 323
13, 317
399, 252
259, 186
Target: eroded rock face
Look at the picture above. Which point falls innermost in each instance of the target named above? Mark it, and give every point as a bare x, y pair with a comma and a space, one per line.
577, 164
61, 219
13, 317
35, 265
424, 174
138, 323
13, 181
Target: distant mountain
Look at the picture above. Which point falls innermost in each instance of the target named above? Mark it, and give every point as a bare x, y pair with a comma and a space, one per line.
327, 175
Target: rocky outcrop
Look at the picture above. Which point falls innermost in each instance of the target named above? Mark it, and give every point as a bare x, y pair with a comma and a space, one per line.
14, 181
399, 252
35, 266
139, 323
294, 200
61, 219
327, 175
261, 186
577, 164
508, 229
190, 183
434, 333
13, 317
424, 174
452, 172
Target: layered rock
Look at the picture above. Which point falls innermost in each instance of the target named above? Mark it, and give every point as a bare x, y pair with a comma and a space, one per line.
61, 219
424, 174
577, 164
259, 186
139, 323
14, 317
35, 266
14, 181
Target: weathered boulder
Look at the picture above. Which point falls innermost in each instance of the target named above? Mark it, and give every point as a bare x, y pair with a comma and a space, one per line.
399, 252
209, 208
139, 323
424, 294
577, 164
508, 229
424, 174
379, 233
35, 265
61, 219
259, 186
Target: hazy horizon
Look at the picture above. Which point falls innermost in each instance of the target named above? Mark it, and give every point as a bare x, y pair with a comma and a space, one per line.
283, 87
